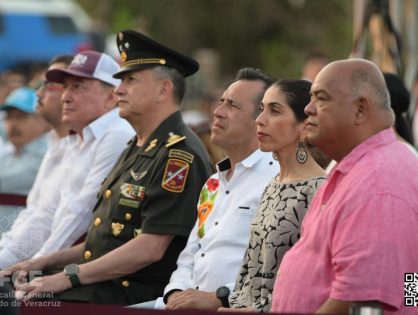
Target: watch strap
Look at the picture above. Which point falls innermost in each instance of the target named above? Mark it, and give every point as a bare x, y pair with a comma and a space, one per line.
74, 279
225, 301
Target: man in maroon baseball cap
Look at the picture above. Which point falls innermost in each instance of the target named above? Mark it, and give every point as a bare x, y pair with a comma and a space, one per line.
97, 138
88, 88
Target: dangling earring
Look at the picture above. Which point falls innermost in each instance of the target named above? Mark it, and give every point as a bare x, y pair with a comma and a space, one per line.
301, 153
275, 156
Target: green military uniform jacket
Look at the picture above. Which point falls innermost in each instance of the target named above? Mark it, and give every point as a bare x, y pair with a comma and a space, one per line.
152, 189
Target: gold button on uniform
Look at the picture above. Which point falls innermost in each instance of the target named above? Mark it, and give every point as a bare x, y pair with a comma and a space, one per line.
87, 254
128, 216
125, 283
97, 221
108, 193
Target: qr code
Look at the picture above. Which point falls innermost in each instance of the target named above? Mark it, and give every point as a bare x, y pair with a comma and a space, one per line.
411, 289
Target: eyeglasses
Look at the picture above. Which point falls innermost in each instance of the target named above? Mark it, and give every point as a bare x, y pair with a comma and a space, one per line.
50, 86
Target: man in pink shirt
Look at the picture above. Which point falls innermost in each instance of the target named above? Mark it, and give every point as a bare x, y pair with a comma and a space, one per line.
359, 237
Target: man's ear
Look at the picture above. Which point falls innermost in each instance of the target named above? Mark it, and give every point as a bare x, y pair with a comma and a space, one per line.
361, 110
111, 98
165, 89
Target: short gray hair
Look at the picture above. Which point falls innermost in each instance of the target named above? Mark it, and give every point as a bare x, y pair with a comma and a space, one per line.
179, 82
377, 87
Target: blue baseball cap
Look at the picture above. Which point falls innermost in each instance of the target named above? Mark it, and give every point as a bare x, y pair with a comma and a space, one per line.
23, 98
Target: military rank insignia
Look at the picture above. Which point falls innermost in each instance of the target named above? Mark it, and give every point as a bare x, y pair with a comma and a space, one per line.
151, 145
173, 139
175, 175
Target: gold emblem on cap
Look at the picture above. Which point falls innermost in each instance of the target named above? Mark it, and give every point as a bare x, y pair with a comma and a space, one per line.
125, 283
120, 36
117, 228
151, 145
162, 62
87, 254
173, 139
123, 56
97, 222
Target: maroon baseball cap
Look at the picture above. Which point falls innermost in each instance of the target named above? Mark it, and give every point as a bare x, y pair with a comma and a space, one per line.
88, 64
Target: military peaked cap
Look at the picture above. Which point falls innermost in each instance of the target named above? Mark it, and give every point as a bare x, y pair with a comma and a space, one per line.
141, 52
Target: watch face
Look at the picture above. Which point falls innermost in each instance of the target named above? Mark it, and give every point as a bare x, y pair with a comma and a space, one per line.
71, 269
222, 292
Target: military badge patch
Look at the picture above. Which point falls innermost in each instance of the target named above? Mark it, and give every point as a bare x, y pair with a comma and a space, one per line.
175, 175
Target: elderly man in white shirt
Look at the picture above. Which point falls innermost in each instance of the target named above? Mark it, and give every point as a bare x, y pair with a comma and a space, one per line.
97, 137
208, 266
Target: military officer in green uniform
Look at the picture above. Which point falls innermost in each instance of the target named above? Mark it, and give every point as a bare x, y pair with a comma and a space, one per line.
147, 204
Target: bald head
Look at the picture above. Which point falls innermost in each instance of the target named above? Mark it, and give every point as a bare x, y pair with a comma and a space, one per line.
363, 78
350, 103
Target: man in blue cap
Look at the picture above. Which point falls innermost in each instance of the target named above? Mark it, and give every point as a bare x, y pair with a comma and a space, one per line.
147, 204
25, 132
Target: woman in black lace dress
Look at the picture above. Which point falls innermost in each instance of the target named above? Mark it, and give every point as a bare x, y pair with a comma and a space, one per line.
276, 226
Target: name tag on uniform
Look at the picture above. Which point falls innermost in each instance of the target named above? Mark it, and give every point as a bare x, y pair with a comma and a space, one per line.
129, 202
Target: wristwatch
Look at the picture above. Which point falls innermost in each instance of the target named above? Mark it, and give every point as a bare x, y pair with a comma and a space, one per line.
71, 271
222, 293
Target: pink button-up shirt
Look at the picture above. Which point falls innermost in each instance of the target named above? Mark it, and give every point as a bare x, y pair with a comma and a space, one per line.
360, 235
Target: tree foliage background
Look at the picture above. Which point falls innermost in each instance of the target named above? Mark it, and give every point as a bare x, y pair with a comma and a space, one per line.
274, 35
